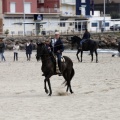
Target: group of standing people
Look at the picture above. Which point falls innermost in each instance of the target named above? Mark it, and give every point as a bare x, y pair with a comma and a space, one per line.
16, 48
28, 49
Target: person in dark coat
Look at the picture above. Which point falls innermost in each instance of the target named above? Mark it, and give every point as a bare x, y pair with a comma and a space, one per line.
119, 47
86, 36
2, 48
57, 49
28, 49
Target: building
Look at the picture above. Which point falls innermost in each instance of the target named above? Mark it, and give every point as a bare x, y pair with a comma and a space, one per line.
112, 7
51, 14
13, 18
107, 1
31, 17
72, 22
1, 18
23, 16
79, 22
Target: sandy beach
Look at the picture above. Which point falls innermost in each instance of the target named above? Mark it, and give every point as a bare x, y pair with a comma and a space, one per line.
96, 89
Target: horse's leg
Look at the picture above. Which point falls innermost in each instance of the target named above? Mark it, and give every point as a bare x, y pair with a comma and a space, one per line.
81, 55
91, 52
65, 77
68, 79
49, 84
78, 51
96, 55
69, 86
45, 87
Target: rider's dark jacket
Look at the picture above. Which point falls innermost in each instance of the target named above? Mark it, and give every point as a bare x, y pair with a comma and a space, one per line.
86, 35
58, 46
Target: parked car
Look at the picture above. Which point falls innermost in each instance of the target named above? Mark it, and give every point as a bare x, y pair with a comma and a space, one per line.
118, 27
115, 27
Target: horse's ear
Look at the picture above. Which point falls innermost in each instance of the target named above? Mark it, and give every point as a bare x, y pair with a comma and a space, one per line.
40, 43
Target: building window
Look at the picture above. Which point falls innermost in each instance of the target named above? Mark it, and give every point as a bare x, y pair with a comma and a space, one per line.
27, 7
94, 24
107, 24
55, 6
41, 1
12, 7
62, 24
82, 1
70, 24
83, 10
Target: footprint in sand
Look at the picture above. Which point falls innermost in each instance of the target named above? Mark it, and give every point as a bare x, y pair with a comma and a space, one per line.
88, 92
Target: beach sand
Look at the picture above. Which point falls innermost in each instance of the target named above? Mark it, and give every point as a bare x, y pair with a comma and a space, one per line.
96, 89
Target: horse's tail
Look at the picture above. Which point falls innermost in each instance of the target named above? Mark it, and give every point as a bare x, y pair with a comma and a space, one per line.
71, 76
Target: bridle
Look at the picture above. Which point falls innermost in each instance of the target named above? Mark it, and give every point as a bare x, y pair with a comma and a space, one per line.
40, 55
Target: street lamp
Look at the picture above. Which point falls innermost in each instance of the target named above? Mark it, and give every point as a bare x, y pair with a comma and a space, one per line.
24, 17
104, 15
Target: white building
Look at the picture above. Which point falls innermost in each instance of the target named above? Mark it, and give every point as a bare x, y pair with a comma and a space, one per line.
67, 20
94, 23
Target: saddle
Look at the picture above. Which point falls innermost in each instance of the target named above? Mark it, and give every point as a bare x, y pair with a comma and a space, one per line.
57, 65
86, 41
62, 59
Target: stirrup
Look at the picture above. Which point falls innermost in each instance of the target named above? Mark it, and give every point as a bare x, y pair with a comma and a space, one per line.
58, 71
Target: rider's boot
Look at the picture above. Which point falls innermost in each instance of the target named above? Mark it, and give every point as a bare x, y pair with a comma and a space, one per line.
59, 68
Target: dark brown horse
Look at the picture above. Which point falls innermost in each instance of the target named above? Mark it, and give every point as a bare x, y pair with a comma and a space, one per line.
89, 45
48, 67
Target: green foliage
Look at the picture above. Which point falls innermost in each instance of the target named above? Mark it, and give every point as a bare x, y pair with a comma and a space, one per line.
6, 32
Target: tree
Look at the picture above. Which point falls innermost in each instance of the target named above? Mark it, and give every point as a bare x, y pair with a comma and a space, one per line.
6, 32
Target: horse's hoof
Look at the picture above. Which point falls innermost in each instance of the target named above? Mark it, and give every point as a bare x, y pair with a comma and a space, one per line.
71, 92
113, 55
46, 91
49, 95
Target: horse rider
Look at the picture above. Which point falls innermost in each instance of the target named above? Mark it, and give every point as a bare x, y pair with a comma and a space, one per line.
57, 49
86, 36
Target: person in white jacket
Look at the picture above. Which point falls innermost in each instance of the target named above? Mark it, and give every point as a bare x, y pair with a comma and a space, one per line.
16, 48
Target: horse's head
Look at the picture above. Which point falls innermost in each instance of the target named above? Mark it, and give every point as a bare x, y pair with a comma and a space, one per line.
41, 50
74, 40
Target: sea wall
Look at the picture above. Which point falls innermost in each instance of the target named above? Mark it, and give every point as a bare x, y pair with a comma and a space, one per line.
107, 40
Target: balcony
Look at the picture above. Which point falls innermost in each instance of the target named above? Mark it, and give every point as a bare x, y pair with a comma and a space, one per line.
68, 14
49, 10
41, 1
68, 2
